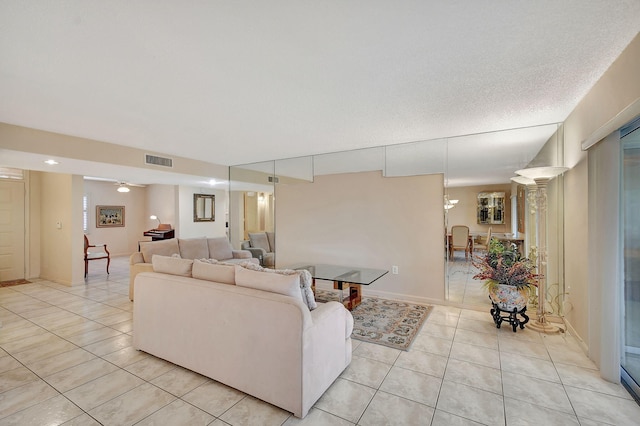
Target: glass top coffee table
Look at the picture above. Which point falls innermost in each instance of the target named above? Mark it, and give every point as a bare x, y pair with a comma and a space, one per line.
344, 278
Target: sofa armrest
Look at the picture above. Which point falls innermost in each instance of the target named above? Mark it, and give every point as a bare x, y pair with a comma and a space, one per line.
136, 258
258, 253
241, 254
329, 309
134, 270
327, 349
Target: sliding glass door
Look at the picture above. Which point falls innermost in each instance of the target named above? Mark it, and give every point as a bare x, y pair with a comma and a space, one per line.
630, 362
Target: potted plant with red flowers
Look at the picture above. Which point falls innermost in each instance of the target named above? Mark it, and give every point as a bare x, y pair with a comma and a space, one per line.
509, 278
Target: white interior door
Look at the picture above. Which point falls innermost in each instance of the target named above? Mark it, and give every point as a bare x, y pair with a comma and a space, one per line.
11, 230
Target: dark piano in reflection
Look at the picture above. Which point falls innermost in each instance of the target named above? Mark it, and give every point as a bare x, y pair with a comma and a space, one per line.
160, 234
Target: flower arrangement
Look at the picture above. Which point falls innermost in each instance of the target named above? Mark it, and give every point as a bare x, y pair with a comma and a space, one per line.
506, 266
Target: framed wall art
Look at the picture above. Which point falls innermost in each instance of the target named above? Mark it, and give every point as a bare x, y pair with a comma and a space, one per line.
109, 216
204, 208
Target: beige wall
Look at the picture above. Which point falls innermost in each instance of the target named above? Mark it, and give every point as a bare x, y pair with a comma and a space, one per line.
32, 210
120, 240
466, 211
190, 229
363, 219
618, 88
54, 197
173, 204
61, 248
48, 143
162, 201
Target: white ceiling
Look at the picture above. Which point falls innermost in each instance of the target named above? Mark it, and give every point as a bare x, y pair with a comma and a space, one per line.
245, 81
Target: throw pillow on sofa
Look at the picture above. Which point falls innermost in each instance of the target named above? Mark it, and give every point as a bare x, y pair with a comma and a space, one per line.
172, 265
211, 270
289, 285
305, 282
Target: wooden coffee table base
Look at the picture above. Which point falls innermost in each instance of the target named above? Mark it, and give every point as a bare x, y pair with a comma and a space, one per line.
354, 294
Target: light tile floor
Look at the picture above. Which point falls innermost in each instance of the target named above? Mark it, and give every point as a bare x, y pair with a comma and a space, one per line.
66, 358
463, 289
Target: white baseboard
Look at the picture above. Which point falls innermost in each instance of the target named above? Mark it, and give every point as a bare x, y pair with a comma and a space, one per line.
574, 333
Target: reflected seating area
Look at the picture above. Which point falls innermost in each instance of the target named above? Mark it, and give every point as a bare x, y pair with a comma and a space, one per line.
477, 195
460, 239
471, 242
462, 288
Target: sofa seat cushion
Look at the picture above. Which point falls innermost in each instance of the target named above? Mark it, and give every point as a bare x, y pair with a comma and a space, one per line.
210, 271
172, 265
220, 248
289, 285
163, 248
193, 248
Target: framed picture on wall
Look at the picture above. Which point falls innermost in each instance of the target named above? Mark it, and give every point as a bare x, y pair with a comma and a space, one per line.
109, 216
204, 208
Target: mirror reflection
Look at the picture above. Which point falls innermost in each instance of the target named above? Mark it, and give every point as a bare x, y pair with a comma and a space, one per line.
251, 210
204, 207
472, 175
491, 208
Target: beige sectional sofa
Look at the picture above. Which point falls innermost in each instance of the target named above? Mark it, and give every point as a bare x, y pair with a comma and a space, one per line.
252, 330
218, 248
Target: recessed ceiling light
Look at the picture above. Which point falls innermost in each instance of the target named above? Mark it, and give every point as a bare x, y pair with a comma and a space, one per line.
51, 162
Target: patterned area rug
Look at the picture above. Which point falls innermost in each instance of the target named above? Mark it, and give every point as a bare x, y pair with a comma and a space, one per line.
385, 322
13, 282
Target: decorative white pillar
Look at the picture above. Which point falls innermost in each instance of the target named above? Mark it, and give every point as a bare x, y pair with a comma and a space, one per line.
542, 176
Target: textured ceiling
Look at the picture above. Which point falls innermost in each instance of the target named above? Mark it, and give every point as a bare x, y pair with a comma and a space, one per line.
233, 82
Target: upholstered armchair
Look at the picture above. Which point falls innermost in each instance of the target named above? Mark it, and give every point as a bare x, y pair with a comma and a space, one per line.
262, 246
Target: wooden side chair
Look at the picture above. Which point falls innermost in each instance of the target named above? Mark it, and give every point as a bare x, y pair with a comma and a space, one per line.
94, 254
483, 244
459, 240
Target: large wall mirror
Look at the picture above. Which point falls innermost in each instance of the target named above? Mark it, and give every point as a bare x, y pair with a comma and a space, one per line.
459, 169
251, 200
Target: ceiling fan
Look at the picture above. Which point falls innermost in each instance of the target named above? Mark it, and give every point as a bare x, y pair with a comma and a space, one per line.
124, 186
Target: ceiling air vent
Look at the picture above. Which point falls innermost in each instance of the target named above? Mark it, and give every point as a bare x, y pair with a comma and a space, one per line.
158, 161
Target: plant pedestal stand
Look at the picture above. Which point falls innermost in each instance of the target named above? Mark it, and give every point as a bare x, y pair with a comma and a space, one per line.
509, 316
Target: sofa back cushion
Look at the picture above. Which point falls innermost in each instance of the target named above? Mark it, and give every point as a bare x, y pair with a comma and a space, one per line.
289, 285
218, 272
193, 248
306, 280
172, 265
220, 248
271, 237
260, 240
164, 248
